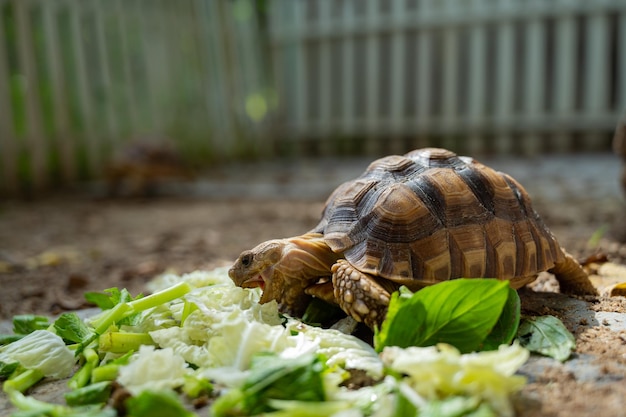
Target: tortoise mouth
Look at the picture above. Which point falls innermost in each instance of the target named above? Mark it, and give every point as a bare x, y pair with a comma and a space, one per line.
254, 282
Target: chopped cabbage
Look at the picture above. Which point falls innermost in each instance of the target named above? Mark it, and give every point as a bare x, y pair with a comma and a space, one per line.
441, 371
229, 327
41, 350
153, 369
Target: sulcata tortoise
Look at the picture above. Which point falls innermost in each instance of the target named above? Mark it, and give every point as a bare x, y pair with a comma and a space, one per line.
412, 220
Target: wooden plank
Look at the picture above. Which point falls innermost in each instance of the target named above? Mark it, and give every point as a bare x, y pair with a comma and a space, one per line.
564, 79
505, 76
450, 86
398, 79
477, 86
58, 80
36, 142
127, 73
533, 84
372, 70
596, 75
89, 139
9, 148
424, 65
348, 57
325, 96
109, 113
220, 101
621, 61
252, 63
141, 11
301, 67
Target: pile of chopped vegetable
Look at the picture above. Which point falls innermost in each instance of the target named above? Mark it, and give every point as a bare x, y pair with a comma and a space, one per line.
200, 345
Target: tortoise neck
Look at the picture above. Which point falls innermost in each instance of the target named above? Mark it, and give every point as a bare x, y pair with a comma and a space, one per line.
309, 258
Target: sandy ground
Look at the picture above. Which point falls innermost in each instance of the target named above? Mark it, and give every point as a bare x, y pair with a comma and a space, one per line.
54, 249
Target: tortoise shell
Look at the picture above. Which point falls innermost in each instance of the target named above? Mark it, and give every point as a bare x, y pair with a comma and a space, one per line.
430, 216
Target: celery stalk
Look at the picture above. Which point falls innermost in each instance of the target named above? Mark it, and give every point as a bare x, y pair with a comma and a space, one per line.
109, 317
106, 372
119, 342
22, 381
160, 297
82, 377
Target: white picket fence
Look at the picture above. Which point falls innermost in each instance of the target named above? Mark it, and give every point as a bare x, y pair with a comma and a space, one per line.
81, 78
477, 75
226, 78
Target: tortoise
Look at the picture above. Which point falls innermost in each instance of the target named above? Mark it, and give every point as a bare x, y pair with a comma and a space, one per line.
412, 220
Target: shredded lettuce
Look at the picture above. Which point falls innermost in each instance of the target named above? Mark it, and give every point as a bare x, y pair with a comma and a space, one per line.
153, 369
209, 337
438, 372
43, 351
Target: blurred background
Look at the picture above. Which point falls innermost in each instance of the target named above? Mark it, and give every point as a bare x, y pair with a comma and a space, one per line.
89, 87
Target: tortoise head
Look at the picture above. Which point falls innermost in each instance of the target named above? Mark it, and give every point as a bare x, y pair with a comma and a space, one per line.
283, 269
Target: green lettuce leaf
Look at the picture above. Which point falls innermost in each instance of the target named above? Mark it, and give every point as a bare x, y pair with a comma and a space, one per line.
506, 327
157, 404
274, 378
28, 323
461, 312
42, 351
546, 335
70, 327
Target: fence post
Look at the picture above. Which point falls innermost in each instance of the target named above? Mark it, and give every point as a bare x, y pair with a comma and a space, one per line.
8, 139
35, 138
564, 77
451, 72
596, 73
477, 79
533, 80
424, 78
372, 83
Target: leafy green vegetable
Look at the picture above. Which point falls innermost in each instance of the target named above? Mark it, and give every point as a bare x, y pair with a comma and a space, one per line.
546, 335
153, 369
319, 312
31, 407
157, 404
21, 381
122, 342
124, 311
83, 375
457, 407
200, 329
461, 312
28, 323
440, 372
97, 393
196, 386
5, 339
110, 297
70, 327
506, 327
275, 378
43, 351
6, 369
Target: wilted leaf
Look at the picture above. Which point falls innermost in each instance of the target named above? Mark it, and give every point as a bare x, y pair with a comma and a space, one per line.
546, 335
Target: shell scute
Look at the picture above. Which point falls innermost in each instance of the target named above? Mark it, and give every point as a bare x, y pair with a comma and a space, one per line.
431, 215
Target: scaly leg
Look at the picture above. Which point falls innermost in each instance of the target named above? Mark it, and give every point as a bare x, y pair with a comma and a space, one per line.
360, 295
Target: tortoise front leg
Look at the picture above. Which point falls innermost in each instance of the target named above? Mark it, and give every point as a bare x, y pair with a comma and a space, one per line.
360, 295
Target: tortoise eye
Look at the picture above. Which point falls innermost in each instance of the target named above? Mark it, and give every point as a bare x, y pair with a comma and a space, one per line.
246, 259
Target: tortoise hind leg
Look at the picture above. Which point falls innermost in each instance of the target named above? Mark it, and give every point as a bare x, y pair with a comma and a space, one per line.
572, 277
360, 295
